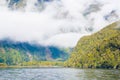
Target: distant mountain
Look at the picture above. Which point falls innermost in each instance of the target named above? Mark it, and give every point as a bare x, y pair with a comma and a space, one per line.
99, 50
12, 52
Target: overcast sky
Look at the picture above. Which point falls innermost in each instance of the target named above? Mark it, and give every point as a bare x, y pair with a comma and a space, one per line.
45, 27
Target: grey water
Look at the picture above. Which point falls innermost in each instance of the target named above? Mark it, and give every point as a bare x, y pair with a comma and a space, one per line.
58, 74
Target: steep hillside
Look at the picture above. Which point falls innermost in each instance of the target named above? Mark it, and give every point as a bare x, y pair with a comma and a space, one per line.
99, 50
13, 53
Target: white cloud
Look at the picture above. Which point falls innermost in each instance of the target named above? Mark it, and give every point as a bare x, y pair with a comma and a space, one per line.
44, 27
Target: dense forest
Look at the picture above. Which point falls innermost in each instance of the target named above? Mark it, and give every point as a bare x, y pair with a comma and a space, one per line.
24, 53
99, 50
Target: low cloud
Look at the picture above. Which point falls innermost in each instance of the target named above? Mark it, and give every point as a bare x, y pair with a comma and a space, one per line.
61, 23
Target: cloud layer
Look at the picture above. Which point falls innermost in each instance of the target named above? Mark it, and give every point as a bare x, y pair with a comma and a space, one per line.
61, 23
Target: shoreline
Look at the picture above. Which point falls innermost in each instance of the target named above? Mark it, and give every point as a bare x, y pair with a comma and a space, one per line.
20, 67
32, 67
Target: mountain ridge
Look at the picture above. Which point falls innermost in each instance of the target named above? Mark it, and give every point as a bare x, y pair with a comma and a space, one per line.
99, 50
15, 52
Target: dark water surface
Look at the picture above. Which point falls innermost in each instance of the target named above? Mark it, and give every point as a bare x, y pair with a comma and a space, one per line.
58, 74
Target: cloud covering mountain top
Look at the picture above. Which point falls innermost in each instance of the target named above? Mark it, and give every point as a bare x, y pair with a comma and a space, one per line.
55, 22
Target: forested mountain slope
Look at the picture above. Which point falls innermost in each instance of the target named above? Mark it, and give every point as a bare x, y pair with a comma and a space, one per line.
99, 50
13, 53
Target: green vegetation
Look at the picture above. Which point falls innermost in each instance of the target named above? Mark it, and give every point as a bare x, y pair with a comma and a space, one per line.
14, 58
43, 63
100, 50
26, 54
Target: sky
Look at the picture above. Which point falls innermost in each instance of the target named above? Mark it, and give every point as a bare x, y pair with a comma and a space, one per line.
61, 23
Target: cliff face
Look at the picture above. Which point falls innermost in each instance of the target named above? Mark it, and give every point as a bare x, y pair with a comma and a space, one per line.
99, 50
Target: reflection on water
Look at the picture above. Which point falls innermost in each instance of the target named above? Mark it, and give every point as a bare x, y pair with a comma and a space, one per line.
58, 74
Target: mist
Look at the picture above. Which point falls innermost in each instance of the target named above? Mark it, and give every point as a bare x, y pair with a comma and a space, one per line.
59, 22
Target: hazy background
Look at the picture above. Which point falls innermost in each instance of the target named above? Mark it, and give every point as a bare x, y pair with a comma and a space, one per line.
55, 22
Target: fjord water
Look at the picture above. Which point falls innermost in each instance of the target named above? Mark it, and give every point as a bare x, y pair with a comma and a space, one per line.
58, 74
